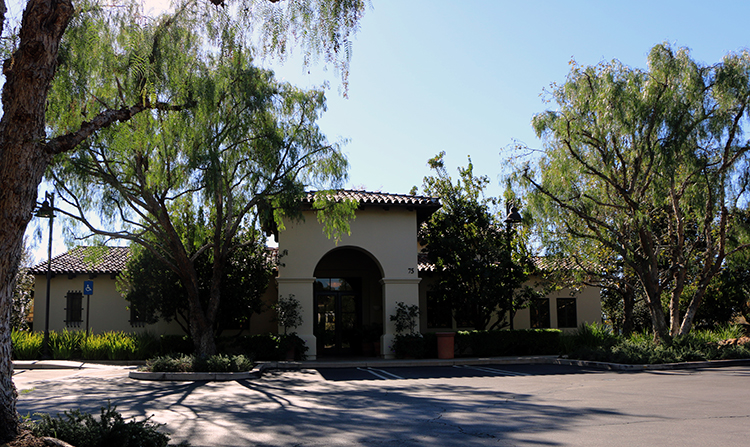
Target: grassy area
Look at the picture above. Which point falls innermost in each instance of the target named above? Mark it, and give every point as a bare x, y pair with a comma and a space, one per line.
595, 342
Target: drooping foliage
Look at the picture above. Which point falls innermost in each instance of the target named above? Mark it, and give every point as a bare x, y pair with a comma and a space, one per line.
481, 264
649, 168
31, 60
155, 292
186, 184
22, 295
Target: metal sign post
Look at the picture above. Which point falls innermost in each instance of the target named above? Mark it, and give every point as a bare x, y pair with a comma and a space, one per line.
88, 290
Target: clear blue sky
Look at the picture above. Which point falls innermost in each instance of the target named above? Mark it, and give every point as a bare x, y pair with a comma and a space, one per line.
465, 76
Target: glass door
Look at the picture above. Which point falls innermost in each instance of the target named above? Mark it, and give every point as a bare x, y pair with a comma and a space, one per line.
338, 320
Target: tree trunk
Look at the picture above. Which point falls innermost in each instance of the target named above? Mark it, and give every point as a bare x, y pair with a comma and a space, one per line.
628, 305
23, 159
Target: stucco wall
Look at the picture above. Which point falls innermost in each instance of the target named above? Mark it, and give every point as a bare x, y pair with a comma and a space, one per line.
588, 306
387, 234
108, 309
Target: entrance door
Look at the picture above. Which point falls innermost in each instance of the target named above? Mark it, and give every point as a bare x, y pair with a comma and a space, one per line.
338, 316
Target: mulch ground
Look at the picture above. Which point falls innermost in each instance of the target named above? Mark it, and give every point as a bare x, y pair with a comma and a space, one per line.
26, 439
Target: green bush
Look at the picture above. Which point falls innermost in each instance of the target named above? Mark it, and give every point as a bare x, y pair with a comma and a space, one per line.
191, 363
409, 346
170, 363
146, 346
641, 348
94, 347
287, 342
508, 342
26, 345
110, 430
66, 345
120, 346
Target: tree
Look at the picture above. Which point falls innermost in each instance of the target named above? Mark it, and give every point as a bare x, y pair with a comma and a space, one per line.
25, 150
480, 274
650, 167
187, 185
155, 292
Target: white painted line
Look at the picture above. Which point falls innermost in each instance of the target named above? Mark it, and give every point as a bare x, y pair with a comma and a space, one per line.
379, 373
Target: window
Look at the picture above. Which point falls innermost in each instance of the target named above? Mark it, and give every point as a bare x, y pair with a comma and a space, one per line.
540, 313
438, 312
566, 312
73, 308
333, 285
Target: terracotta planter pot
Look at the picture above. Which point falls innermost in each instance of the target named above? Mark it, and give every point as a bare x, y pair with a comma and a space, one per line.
445, 344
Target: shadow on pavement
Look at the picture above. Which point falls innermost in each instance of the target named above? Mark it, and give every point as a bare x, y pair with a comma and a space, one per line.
298, 408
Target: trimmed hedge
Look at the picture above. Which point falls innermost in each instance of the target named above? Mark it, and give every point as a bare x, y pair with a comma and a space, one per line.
508, 343
483, 343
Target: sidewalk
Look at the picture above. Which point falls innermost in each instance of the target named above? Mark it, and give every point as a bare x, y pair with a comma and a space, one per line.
358, 362
263, 366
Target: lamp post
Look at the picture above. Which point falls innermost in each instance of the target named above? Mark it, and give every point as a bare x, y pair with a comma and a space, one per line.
512, 217
47, 211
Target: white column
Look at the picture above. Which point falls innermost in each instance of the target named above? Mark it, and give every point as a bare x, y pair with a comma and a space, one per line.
395, 290
302, 289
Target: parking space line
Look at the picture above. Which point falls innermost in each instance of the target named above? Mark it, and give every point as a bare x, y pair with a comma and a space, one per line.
501, 372
379, 373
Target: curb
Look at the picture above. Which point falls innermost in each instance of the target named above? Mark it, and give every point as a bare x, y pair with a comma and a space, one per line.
194, 376
74, 364
651, 367
262, 367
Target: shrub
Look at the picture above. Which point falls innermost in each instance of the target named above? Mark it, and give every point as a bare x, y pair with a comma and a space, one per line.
66, 345
589, 336
146, 346
191, 363
405, 318
288, 312
409, 346
120, 346
26, 345
288, 342
111, 429
641, 348
94, 347
508, 342
170, 363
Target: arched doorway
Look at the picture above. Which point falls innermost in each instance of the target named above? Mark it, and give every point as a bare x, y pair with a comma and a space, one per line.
348, 303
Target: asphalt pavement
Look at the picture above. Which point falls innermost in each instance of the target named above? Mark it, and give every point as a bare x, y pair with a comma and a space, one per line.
498, 404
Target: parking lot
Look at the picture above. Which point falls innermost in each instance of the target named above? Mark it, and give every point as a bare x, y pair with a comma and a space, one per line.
488, 405
446, 372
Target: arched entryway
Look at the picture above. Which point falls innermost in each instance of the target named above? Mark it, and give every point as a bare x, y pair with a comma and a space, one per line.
348, 303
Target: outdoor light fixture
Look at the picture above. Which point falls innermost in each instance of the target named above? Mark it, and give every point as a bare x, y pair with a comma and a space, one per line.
47, 211
513, 217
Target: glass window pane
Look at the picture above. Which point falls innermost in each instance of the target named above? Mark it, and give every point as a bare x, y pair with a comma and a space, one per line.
566, 312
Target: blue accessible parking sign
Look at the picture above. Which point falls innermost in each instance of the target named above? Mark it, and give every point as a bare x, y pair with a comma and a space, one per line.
88, 287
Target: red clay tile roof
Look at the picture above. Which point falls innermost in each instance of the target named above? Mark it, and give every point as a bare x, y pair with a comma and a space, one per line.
86, 260
543, 263
379, 198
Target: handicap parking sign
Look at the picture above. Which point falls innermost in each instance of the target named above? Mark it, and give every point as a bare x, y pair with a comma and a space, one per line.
88, 287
